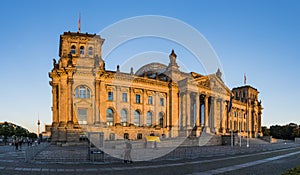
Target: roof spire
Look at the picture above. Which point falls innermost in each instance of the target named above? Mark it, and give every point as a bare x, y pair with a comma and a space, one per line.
245, 79
79, 22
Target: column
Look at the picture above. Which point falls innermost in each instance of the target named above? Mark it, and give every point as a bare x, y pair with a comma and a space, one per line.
55, 103
214, 114
227, 117
188, 109
224, 116
207, 129
70, 101
167, 114
183, 114
180, 111
259, 121
63, 99
197, 98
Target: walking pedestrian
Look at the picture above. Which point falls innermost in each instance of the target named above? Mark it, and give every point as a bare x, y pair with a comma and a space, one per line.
127, 152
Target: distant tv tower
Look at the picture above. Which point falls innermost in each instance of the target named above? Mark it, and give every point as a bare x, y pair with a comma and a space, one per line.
38, 125
79, 23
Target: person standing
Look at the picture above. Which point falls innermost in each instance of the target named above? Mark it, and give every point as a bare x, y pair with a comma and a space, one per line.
127, 152
17, 144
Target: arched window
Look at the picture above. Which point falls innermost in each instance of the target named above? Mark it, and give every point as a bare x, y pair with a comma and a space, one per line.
136, 118
90, 51
161, 119
126, 136
123, 117
109, 117
149, 118
81, 50
82, 92
73, 49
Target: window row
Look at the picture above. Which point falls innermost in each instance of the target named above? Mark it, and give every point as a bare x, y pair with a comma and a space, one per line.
139, 136
81, 50
84, 92
137, 98
110, 116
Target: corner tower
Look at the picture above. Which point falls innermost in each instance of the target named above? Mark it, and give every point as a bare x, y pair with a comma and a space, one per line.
73, 83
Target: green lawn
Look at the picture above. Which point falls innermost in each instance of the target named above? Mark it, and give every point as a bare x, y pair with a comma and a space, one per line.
293, 171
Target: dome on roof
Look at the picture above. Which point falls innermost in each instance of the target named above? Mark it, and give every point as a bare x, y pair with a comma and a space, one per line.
151, 67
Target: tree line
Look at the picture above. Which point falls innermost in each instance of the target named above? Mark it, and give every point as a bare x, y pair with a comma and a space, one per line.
9, 130
286, 132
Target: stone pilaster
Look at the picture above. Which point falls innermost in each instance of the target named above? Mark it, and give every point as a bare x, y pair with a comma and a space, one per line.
97, 97
102, 102
206, 124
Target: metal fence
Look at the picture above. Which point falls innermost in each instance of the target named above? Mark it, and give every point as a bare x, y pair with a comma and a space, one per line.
33, 150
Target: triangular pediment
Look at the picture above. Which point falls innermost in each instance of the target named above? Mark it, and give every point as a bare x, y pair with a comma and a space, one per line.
84, 102
218, 85
213, 83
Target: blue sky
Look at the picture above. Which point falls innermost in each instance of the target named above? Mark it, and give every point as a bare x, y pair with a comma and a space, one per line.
259, 38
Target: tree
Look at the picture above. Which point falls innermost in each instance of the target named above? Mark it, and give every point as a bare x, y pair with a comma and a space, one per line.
265, 131
32, 135
9, 129
288, 132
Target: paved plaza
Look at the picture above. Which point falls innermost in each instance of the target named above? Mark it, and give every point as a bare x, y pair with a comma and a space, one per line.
74, 159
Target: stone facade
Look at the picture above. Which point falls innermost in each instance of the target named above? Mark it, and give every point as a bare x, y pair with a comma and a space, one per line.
156, 100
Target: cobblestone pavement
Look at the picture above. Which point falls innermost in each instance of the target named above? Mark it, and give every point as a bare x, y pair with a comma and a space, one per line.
184, 160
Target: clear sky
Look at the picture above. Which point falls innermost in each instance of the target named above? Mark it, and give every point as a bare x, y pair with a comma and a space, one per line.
259, 38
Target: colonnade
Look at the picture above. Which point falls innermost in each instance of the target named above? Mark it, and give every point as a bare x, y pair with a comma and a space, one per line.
201, 111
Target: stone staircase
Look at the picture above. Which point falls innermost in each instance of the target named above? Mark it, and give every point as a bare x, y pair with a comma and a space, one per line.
63, 154
205, 139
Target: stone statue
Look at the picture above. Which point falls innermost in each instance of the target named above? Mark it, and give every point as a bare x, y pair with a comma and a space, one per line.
55, 65
131, 71
118, 68
54, 62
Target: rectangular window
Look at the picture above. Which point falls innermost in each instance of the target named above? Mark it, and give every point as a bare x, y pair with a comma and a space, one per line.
82, 116
138, 98
124, 97
150, 100
110, 96
161, 102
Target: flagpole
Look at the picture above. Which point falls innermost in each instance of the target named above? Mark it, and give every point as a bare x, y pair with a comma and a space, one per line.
231, 135
228, 111
240, 136
247, 120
